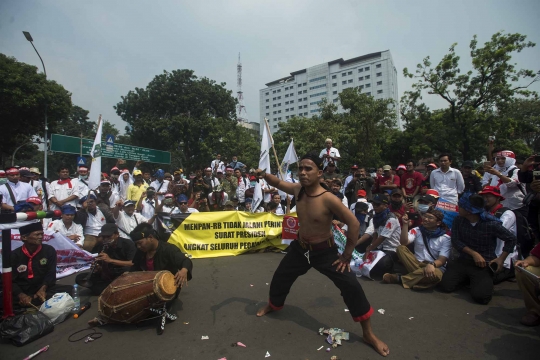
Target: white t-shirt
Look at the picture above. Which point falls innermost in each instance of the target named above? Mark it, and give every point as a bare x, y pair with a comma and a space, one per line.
449, 184
38, 188
161, 187
332, 152
267, 197
391, 231
74, 229
243, 185
127, 223
148, 208
82, 186
61, 192
189, 211
440, 246
508, 219
216, 165
94, 223
171, 210
21, 192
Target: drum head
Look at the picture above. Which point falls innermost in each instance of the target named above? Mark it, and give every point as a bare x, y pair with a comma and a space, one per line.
165, 285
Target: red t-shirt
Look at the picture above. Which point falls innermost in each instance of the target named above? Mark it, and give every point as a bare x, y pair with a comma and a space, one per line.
150, 264
387, 181
410, 181
536, 251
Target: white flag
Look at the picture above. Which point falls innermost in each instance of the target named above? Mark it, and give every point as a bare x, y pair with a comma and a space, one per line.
257, 197
290, 158
266, 145
95, 170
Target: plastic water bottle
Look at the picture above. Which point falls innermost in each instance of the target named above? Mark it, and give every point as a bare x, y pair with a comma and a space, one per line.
76, 299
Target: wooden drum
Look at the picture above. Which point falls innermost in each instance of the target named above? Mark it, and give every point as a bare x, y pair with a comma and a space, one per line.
128, 298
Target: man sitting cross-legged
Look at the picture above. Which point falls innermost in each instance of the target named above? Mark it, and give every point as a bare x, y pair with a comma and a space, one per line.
432, 246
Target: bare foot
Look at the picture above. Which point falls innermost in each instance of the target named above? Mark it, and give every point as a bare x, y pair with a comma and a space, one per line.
264, 310
377, 344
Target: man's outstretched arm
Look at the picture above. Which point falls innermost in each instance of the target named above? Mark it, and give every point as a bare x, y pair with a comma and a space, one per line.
274, 181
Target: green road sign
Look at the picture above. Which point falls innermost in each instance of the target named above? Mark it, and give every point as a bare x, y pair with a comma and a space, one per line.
72, 145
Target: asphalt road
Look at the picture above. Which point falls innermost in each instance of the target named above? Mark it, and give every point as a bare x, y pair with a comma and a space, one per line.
225, 293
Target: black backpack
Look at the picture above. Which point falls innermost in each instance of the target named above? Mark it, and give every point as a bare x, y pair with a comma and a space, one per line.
525, 235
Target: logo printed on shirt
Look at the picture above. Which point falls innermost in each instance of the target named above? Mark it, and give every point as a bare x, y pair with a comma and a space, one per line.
21, 268
43, 261
389, 226
413, 231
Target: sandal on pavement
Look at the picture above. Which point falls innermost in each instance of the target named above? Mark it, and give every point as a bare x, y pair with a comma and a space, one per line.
390, 278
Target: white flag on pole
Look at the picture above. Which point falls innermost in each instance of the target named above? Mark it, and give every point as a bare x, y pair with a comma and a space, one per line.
266, 145
290, 158
257, 197
95, 170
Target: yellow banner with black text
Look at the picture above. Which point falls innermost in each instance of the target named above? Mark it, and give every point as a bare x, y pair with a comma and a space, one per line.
227, 233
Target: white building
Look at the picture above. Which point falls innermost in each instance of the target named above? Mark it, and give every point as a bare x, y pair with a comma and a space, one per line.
300, 93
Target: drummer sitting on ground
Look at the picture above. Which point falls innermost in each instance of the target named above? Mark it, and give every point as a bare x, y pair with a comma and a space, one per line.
34, 268
113, 261
155, 255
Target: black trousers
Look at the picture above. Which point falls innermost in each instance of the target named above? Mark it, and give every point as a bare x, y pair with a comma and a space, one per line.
385, 265
98, 284
461, 271
295, 263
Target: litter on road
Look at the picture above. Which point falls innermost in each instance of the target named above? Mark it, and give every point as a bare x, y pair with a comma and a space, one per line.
204, 337
381, 311
334, 335
267, 354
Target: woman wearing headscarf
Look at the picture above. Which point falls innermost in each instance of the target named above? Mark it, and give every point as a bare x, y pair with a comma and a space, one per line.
125, 180
504, 174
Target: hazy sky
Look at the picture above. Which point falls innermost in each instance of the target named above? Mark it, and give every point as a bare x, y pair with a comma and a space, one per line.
99, 50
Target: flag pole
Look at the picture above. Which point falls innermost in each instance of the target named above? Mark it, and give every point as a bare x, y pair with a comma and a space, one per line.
273, 148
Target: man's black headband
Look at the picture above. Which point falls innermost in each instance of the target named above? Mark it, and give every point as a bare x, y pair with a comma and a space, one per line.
315, 158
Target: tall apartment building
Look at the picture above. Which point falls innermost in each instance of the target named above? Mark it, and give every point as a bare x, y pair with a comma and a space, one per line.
300, 93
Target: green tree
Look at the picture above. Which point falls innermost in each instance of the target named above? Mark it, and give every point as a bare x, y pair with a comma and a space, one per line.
25, 96
475, 98
191, 117
366, 125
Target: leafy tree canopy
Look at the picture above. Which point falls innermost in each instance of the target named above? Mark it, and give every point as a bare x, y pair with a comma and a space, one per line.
25, 96
476, 99
191, 117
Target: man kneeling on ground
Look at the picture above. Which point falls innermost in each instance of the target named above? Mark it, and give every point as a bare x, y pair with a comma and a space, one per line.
155, 255
114, 256
432, 248
474, 235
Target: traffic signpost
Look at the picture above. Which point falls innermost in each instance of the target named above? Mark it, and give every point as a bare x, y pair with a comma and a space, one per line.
110, 149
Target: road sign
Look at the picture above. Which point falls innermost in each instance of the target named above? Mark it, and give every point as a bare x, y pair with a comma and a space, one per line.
81, 161
72, 145
109, 140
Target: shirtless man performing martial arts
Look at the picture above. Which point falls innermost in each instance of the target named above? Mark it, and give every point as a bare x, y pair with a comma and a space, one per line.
315, 246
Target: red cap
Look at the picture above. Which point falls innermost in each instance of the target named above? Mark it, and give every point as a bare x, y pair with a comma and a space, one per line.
493, 190
34, 200
401, 167
12, 171
433, 193
361, 193
432, 165
83, 168
2, 174
252, 178
169, 195
354, 167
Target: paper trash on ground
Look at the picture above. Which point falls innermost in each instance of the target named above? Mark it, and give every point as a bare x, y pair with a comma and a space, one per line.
381, 311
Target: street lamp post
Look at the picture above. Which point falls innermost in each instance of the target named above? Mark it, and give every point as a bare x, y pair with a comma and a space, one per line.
46, 147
